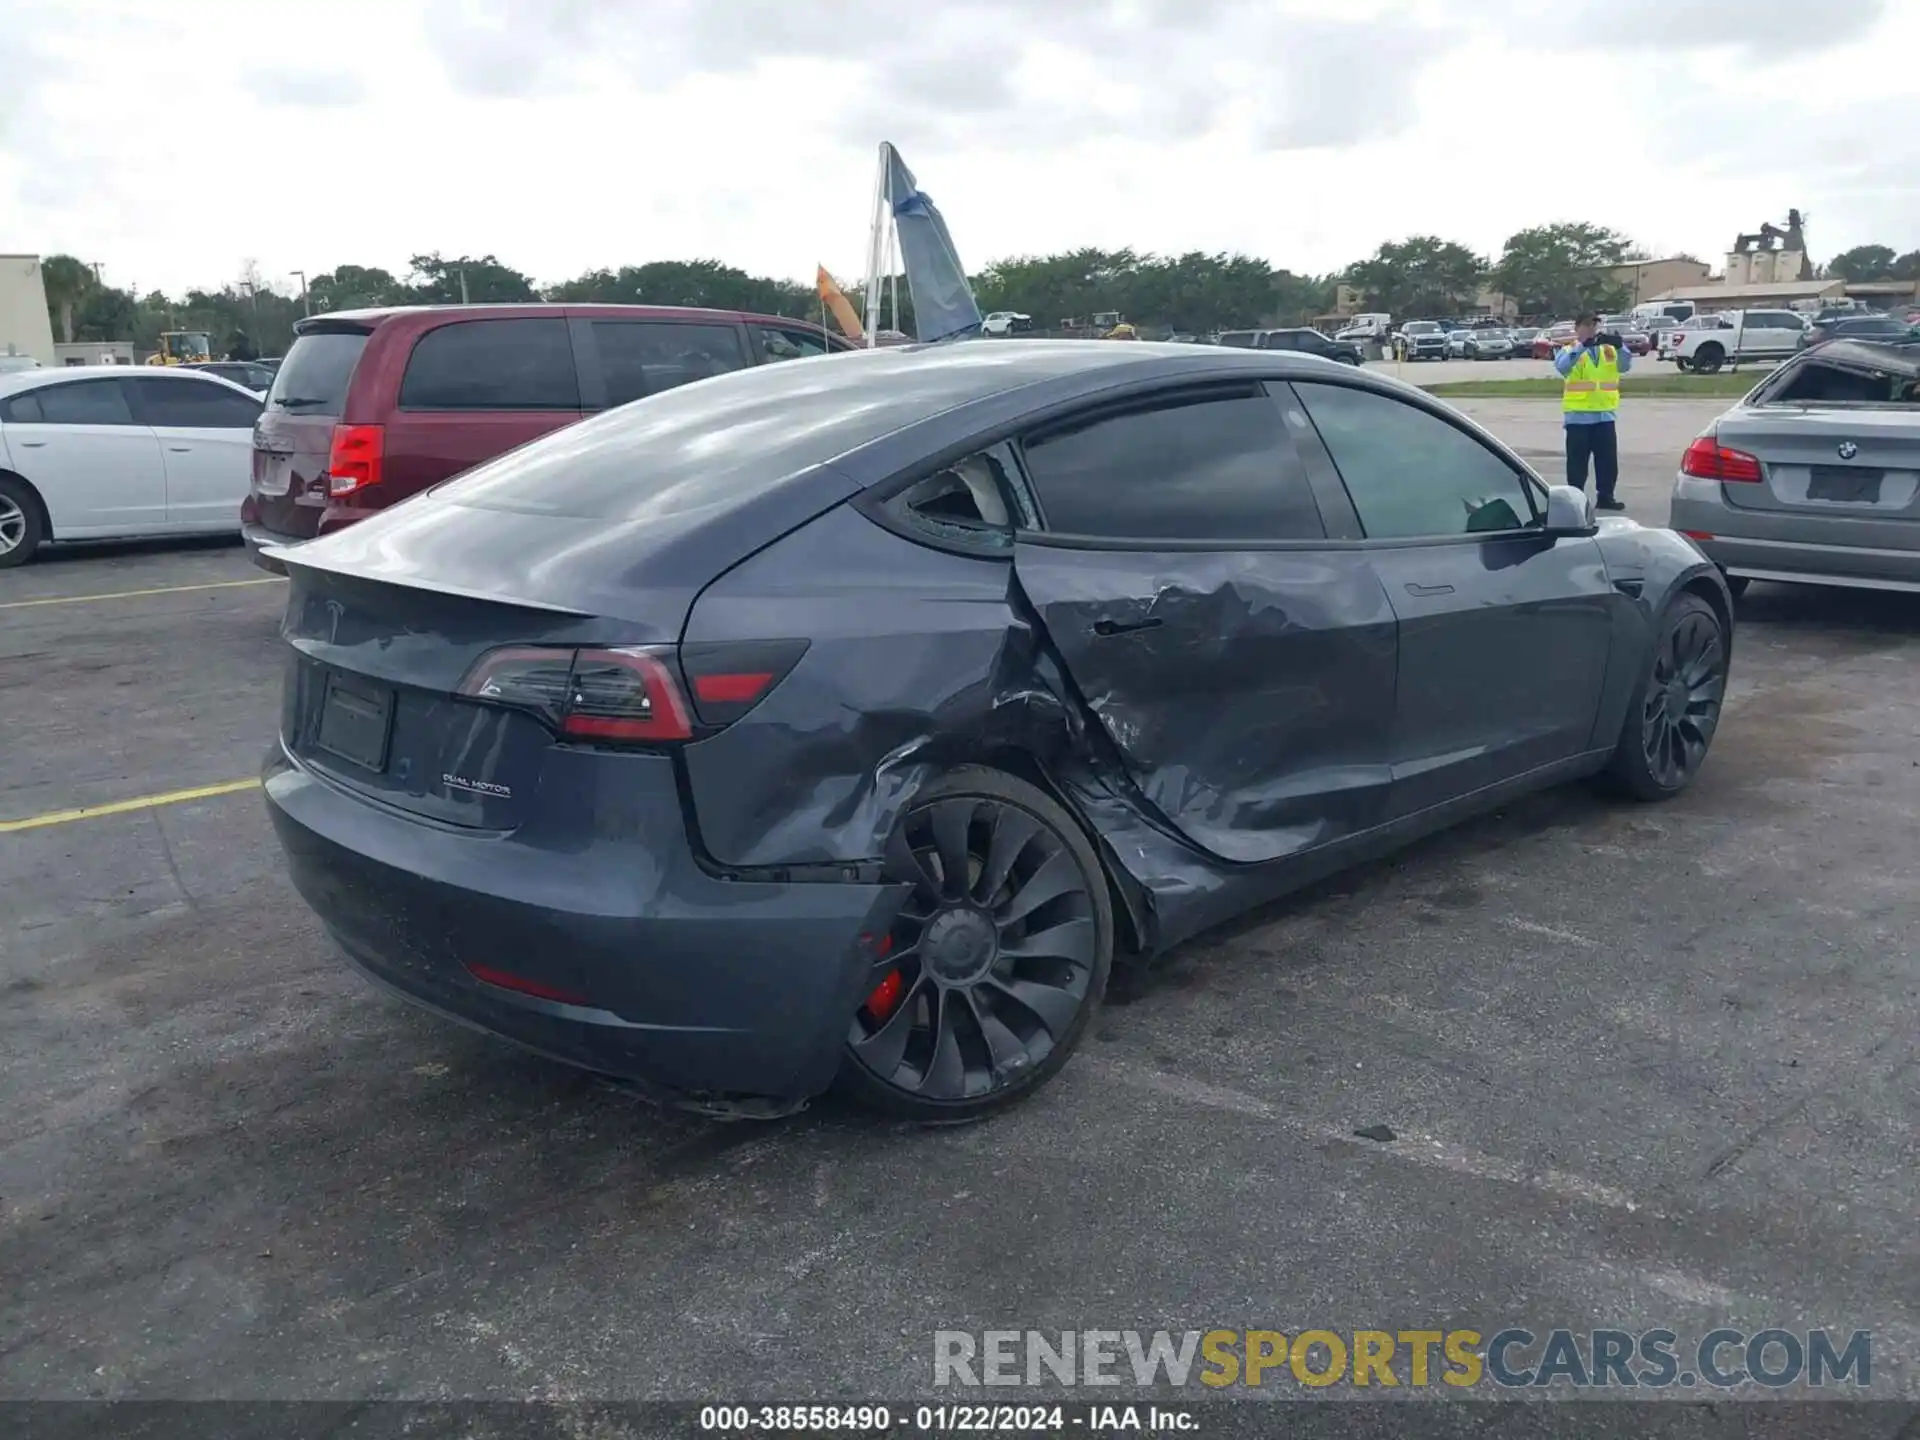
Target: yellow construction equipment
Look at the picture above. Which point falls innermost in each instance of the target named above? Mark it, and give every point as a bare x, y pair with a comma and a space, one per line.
182, 347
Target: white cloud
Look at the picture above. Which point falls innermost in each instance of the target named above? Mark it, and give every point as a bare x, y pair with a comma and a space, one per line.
306, 89
568, 134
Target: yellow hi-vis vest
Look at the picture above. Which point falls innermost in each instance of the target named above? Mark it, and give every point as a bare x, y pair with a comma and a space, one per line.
1593, 385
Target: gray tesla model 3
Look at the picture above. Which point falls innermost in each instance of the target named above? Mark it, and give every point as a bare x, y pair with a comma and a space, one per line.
845, 718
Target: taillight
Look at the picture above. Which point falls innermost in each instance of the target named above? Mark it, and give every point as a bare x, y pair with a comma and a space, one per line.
624, 695
354, 458
613, 694
632, 693
730, 677
1708, 459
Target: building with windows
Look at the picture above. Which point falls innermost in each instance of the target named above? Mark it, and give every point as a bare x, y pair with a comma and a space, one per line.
1654, 279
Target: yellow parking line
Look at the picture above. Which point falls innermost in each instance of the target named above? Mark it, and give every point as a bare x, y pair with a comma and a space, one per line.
137, 594
120, 807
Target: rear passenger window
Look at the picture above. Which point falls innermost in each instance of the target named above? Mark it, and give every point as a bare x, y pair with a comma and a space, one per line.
81, 402
972, 502
190, 404
1207, 467
492, 365
640, 357
783, 344
1409, 472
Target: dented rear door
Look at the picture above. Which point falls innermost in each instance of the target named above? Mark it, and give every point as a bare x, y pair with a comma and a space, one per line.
1244, 678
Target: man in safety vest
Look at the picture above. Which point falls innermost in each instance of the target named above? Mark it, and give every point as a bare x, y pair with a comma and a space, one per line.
1592, 367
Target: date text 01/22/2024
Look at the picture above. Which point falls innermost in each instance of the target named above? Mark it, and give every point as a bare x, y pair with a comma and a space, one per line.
945, 1419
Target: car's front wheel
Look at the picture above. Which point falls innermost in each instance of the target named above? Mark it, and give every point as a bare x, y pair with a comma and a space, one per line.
997, 961
1675, 707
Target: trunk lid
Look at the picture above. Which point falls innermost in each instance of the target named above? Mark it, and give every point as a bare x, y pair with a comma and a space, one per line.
591, 538
1859, 463
369, 697
292, 438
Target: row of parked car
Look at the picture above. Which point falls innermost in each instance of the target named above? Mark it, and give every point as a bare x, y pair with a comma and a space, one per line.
367, 408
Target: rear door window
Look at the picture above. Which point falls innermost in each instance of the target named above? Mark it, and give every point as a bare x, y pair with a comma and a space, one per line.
642, 357
1409, 472
80, 402
492, 365
1208, 466
193, 405
312, 380
780, 343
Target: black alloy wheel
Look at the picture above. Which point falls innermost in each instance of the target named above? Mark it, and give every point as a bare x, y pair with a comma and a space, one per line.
1675, 708
996, 962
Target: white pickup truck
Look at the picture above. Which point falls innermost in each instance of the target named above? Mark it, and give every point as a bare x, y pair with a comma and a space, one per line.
1706, 342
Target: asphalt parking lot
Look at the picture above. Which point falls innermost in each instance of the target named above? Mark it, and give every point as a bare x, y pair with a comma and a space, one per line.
1643, 1066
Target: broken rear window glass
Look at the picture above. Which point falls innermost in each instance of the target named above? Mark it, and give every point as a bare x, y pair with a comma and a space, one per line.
1819, 382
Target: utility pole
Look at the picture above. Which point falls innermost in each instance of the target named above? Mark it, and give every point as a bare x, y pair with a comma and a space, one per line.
463, 285
306, 305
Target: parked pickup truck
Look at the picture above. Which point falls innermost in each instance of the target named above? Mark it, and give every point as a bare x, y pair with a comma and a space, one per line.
1707, 342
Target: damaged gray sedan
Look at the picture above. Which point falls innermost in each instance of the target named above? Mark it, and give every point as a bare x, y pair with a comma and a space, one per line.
845, 719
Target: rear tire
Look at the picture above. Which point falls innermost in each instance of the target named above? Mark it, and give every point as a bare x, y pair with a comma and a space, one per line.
21, 528
1675, 707
999, 974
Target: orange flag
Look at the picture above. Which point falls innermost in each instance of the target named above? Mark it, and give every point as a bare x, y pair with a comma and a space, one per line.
842, 310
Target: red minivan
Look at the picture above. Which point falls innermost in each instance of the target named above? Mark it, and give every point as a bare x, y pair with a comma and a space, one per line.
371, 406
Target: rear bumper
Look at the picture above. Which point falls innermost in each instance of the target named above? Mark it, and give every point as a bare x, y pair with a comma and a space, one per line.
1792, 545
694, 987
257, 538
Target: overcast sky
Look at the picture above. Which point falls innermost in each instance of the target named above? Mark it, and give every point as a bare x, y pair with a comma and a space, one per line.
174, 142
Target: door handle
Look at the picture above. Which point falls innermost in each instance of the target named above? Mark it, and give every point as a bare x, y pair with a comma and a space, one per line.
181, 449
1413, 589
1125, 627
31, 444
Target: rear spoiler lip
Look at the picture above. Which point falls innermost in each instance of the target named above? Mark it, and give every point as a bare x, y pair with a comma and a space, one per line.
291, 557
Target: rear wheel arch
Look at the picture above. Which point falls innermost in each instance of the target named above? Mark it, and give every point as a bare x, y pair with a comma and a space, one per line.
1129, 906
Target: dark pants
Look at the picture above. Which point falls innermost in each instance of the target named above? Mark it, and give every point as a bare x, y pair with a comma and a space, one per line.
1598, 443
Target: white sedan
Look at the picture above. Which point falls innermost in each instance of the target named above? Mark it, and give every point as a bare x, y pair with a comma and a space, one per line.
1005, 322
110, 452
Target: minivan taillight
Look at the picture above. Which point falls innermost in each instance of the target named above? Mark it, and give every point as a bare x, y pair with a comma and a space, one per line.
354, 458
1708, 459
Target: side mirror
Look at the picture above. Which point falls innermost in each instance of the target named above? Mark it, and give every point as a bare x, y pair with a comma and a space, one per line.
1570, 511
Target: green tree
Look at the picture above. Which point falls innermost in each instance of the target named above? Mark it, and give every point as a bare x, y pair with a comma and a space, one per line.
355, 287
1196, 293
476, 279
106, 314
1421, 275
1906, 267
1561, 269
68, 282
1863, 262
